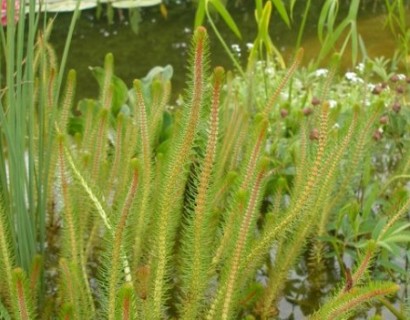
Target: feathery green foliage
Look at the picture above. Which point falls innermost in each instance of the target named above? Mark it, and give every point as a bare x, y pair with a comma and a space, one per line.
177, 214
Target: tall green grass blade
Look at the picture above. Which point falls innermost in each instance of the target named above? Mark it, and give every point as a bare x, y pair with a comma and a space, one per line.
200, 13
303, 23
223, 43
217, 4
282, 11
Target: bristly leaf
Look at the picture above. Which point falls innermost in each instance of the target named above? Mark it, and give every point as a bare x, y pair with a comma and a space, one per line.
196, 240
144, 213
175, 174
6, 256
117, 243
68, 101
125, 306
347, 304
21, 299
289, 73
67, 312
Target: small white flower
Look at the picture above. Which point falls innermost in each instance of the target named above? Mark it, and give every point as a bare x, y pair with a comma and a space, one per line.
269, 70
321, 72
401, 76
352, 76
180, 101
332, 104
285, 95
336, 126
235, 47
371, 86
360, 67
249, 45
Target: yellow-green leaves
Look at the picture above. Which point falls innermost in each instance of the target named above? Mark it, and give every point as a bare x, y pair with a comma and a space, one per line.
347, 304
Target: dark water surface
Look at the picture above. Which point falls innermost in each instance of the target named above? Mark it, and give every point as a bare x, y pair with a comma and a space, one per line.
162, 41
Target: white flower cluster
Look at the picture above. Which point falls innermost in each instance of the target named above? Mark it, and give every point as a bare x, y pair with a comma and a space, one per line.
353, 77
321, 73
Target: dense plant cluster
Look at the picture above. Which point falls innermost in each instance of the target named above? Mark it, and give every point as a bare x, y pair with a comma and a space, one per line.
131, 207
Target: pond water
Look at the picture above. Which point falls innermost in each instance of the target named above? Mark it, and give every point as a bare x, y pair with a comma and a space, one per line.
162, 41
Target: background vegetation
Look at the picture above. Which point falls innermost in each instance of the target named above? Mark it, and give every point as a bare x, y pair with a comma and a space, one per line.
216, 206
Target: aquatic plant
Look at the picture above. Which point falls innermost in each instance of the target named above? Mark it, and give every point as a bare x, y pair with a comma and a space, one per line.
202, 211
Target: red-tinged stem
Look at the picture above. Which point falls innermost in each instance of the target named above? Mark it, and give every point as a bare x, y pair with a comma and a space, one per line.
243, 235
21, 300
51, 88
362, 299
67, 206
283, 82
126, 308
35, 273
254, 158
173, 180
196, 284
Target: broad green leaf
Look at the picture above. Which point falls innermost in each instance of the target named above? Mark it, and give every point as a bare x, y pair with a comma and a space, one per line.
200, 13
282, 11
226, 17
158, 73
